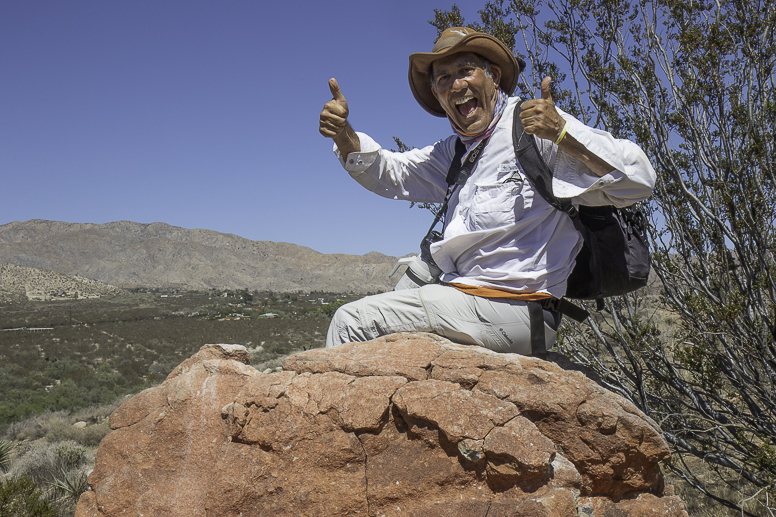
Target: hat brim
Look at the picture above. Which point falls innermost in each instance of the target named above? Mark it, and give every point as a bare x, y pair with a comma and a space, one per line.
480, 43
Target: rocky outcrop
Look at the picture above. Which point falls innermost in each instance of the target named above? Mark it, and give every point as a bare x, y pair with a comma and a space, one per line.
409, 424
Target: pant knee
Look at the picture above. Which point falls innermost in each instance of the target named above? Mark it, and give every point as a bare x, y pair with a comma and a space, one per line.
341, 327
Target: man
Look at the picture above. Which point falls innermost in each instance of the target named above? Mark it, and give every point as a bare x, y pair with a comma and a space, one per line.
503, 247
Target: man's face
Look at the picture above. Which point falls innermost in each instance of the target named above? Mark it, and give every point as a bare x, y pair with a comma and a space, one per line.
466, 93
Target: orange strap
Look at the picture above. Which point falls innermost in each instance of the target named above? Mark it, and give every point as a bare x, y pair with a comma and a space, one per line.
497, 292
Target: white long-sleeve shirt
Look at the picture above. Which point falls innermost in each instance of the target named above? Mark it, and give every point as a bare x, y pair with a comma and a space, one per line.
499, 232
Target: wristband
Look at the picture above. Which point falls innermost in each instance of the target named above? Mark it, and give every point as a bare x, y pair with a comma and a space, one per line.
562, 133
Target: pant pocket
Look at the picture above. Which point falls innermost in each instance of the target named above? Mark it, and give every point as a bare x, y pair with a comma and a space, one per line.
506, 325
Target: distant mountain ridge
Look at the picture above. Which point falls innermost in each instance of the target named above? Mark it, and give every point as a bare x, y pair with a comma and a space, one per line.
129, 254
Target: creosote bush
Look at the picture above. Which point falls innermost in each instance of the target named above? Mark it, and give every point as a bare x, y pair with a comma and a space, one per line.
21, 497
694, 84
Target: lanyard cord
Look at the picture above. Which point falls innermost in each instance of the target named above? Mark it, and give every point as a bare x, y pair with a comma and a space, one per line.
457, 175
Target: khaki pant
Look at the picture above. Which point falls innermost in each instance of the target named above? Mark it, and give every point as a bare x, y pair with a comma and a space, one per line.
500, 325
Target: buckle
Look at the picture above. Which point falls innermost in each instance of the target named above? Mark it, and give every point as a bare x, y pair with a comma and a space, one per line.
550, 304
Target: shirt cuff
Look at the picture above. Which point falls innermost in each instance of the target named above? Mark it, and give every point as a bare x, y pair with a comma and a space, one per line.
360, 161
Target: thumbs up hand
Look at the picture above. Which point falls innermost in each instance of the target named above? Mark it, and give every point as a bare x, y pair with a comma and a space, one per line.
334, 122
539, 116
334, 117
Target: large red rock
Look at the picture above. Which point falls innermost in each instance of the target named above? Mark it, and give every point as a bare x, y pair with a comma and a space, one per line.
408, 424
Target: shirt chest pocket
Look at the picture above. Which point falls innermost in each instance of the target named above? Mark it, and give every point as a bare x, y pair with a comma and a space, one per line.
496, 205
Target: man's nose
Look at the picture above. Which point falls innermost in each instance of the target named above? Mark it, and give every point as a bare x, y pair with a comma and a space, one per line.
460, 83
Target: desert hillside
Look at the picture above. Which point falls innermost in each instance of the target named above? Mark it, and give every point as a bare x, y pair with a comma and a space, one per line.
128, 254
41, 284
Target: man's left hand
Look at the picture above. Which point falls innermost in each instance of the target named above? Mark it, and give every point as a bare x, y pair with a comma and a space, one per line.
539, 116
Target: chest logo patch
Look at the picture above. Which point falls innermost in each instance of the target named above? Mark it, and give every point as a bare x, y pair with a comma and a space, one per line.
510, 172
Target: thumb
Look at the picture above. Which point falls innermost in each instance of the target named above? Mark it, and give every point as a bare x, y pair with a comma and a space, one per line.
335, 91
546, 88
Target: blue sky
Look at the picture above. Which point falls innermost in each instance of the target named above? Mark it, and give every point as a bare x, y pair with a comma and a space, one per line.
204, 114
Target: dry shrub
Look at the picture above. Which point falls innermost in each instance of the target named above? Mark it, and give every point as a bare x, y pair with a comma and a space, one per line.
698, 504
57, 426
34, 427
272, 364
89, 436
42, 461
96, 414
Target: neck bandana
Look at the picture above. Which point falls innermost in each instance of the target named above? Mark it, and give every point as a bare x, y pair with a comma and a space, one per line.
498, 110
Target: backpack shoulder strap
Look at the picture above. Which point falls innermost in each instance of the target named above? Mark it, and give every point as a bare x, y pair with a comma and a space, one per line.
527, 153
456, 164
540, 176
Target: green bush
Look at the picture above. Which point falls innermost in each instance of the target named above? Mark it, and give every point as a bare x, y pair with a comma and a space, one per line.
20, 497
330, 309
69, 454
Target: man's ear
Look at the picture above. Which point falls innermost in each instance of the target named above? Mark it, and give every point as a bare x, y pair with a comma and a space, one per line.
495, 71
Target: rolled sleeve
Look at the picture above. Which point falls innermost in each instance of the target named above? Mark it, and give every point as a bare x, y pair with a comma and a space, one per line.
360, 161
416, 175
632, 179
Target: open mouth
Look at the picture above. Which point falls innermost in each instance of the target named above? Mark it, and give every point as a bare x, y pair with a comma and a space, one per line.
466, 105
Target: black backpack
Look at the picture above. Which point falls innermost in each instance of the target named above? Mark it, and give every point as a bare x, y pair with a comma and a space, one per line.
615, 257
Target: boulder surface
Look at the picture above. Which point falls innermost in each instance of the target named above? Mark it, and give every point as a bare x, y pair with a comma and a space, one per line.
408, 424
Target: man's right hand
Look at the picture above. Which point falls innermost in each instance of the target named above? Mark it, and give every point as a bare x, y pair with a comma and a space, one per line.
334, 117
334, 122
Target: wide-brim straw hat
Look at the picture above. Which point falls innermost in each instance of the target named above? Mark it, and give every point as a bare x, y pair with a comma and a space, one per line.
454, 40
